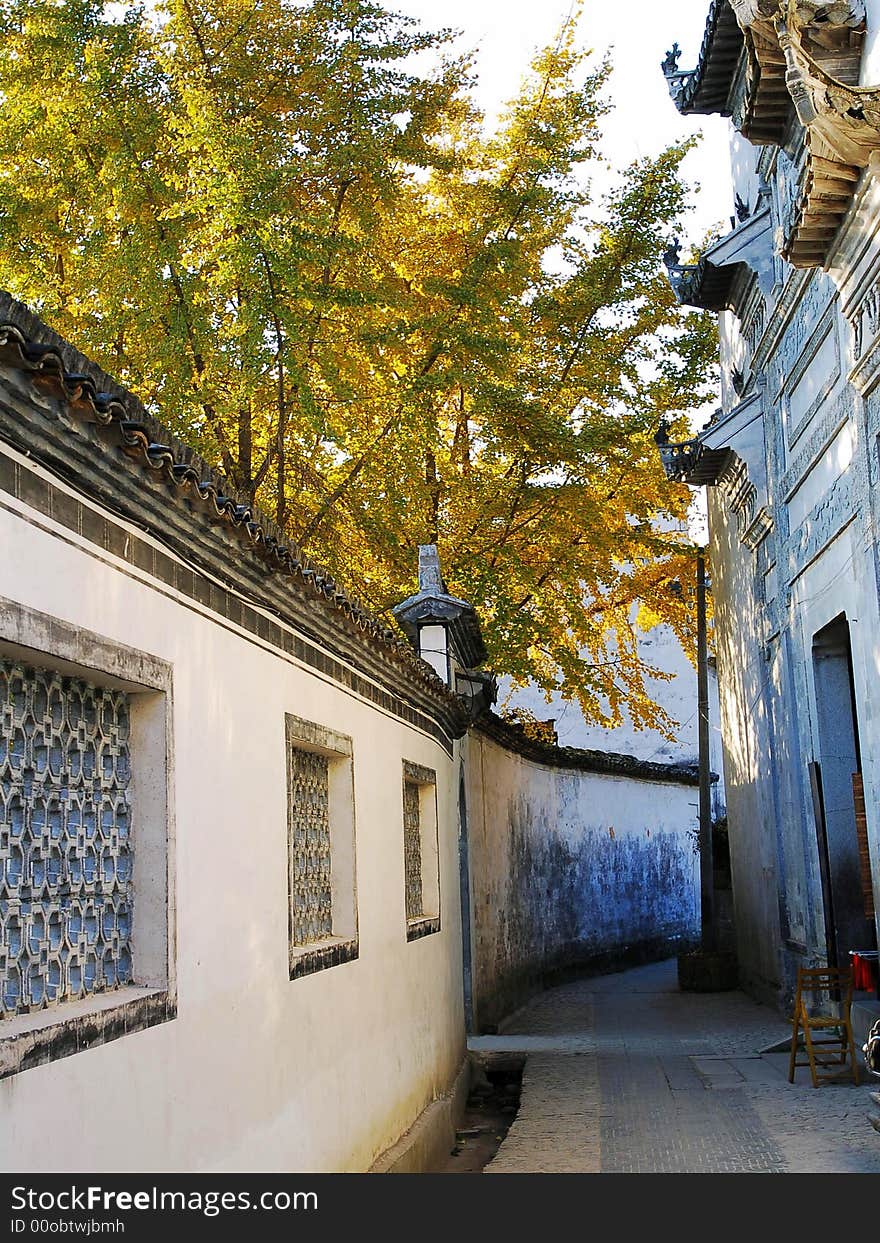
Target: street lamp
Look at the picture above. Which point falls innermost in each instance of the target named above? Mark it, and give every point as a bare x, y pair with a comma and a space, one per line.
707, 868
445, 631
708, 970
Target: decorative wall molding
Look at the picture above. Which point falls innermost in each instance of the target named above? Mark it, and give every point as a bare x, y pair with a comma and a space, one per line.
753, 326
839, 411
828, 519
808, 361
793, 320
864, 320
754, 522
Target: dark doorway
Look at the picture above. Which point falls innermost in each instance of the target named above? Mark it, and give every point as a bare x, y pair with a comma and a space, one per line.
839, 762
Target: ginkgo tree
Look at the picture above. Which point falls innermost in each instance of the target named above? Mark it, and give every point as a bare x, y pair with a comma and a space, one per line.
385, 322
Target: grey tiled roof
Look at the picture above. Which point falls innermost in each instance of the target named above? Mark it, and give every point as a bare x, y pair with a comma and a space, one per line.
707, 88
612, 763
92, 397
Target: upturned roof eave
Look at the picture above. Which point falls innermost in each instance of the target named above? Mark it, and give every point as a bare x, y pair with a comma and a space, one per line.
708, 88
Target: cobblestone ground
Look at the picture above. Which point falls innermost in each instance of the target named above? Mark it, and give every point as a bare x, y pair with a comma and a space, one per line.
625, 1074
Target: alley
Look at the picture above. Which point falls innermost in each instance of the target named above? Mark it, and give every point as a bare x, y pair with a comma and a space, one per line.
624, 1074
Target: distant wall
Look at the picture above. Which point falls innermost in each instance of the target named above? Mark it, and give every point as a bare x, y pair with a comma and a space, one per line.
577, 859
660, 649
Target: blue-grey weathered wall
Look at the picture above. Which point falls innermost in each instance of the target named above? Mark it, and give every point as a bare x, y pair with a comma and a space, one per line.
572, 869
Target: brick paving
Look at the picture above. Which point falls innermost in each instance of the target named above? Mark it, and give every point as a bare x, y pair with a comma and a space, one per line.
625, 1074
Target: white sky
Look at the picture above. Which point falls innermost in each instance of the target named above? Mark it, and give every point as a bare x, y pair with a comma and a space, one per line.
507, 32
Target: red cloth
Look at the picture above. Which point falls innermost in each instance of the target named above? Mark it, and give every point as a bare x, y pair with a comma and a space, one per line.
865, 972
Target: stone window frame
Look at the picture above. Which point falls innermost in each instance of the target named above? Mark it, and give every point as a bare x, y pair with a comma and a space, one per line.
343, 946
426, 779
825, 328
42, 641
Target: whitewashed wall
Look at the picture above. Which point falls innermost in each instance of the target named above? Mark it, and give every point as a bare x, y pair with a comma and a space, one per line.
571, 869
805, 436
870, 75
660, 649
257, 1071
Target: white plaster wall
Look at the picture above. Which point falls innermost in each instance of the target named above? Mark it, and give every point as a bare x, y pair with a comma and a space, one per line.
834, 461
735, 354
659, 648
257, 1072
870, 74
749, 753
568, 867
744, 157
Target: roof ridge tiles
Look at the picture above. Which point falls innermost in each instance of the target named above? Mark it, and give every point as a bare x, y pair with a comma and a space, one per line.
30, 345
514, 737
720, 50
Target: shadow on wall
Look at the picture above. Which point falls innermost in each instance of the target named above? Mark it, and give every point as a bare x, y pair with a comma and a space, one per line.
790, 724
573, 872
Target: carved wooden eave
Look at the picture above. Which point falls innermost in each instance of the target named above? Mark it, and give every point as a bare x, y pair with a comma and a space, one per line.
689, 461
703, 285
696, 463
846, 118
802, 56
749, 245
831, 35
766, 104
827, 188
842, 125
736, 28
729, 453
834, 31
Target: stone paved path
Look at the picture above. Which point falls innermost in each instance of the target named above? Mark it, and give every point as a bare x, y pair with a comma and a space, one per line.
625, 1074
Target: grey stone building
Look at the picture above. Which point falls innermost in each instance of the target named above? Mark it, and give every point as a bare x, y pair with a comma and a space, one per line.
791, 461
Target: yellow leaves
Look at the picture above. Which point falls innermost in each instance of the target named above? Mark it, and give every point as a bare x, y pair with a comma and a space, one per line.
647, 616
367, 326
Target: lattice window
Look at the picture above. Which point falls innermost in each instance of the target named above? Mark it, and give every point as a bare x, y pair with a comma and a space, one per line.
311, 891
65, 839
412, 848
420, 851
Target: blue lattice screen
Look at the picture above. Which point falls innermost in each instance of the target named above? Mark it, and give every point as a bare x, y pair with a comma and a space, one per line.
412, 849
65, 846
310, 887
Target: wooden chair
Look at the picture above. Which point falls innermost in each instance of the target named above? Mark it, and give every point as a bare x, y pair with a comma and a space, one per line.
831, 989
